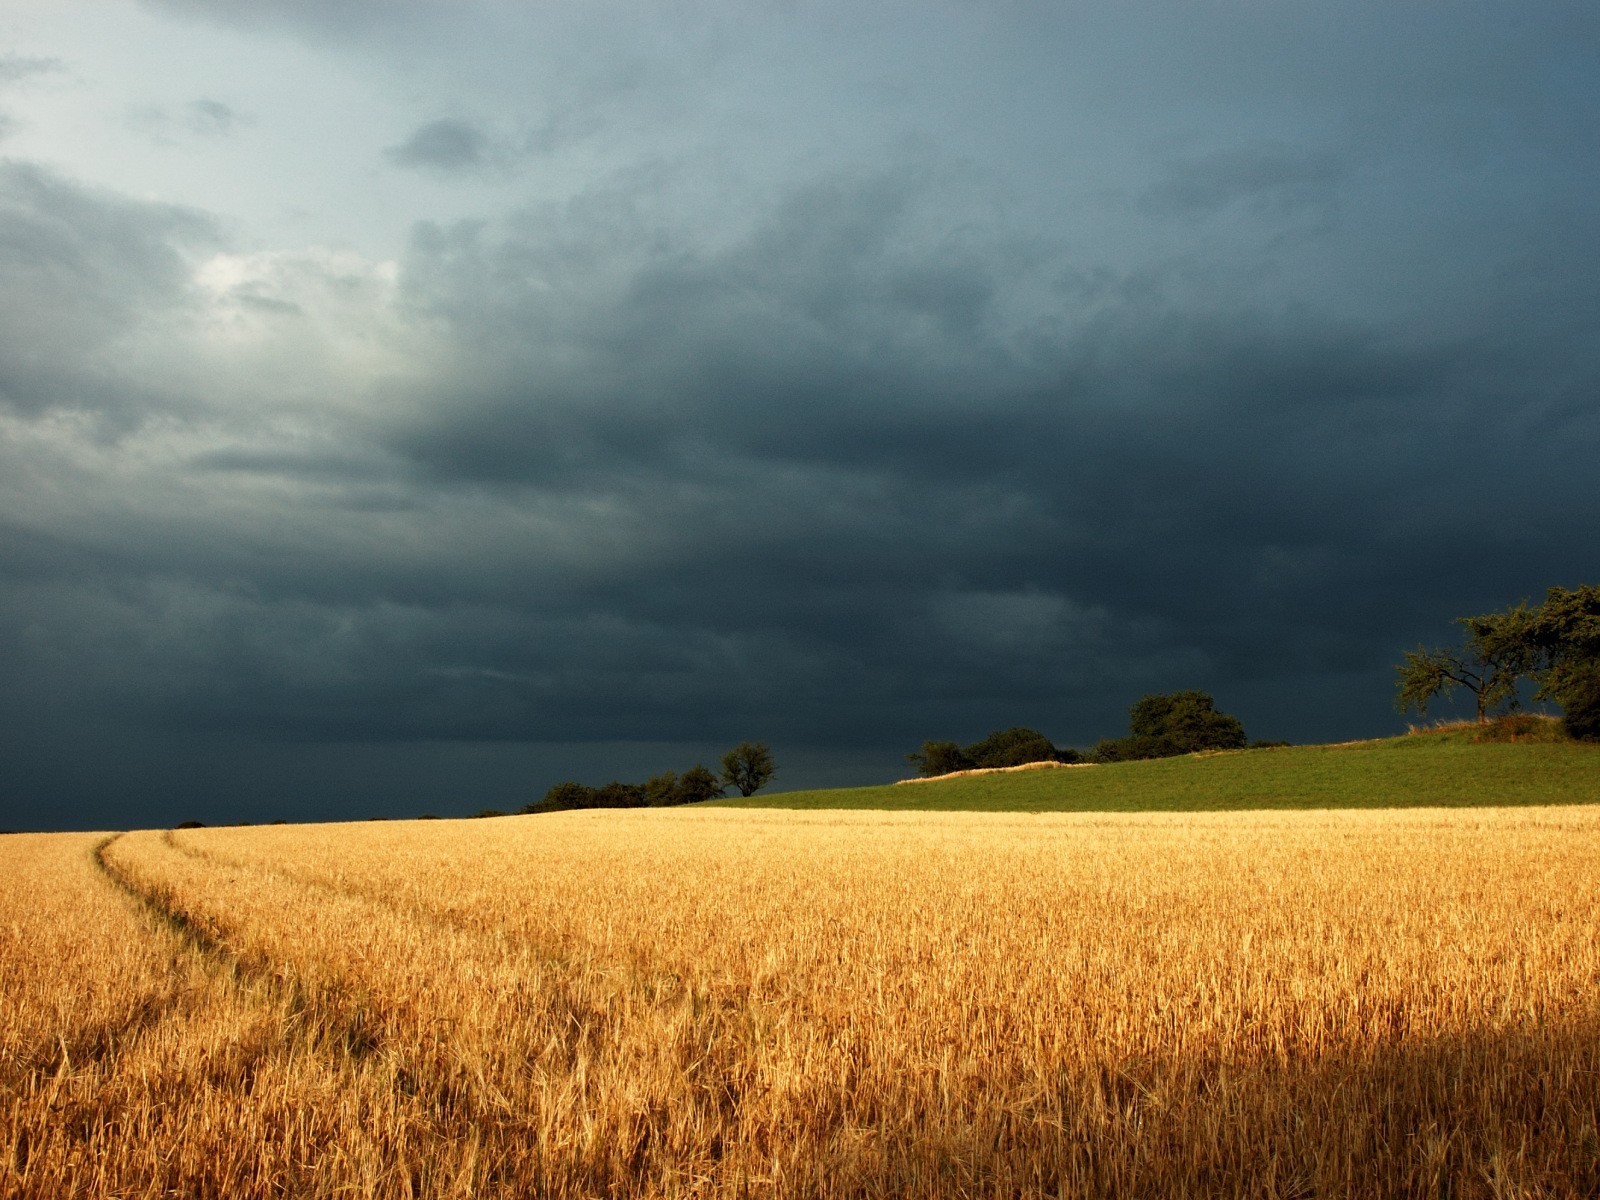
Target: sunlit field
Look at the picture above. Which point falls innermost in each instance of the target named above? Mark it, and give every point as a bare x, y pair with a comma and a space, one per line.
726, 1002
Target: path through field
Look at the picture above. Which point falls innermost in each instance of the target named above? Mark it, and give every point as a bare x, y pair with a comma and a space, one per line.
697, 1002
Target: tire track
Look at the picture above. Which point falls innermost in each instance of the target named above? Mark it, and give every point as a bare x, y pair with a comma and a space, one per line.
327, 1025
101, 1043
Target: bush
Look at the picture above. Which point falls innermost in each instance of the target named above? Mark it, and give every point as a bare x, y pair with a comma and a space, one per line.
1014, 747
698, 784
619, 795
1130, 749
1002, 748
659, 791
1579, 697
1161, 726
568, 794
940, 758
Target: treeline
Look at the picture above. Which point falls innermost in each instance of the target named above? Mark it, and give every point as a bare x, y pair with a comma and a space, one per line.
1003, 748
1159, 726
1555, 647
746, 768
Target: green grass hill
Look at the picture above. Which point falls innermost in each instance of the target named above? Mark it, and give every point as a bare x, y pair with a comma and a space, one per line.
1453, 767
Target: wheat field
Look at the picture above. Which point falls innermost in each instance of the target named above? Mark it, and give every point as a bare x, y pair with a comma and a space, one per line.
731, 1003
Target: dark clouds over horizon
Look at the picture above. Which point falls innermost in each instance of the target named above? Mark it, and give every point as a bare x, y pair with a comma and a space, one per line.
542, 403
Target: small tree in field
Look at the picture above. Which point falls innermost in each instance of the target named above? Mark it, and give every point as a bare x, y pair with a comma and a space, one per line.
1497, 652
747, 766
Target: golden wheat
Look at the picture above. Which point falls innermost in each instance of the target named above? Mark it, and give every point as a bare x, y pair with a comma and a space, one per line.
716, 1002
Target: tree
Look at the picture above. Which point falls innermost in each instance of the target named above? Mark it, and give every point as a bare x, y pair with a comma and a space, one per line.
747, 766
1014, 747
698, 784
563, 796
662, 789
1497, 652
1565, 634
619, 795
694, 785
1002, 748
1162, 725
939, 758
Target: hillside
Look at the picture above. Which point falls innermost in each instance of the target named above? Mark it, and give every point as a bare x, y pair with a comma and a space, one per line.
1433, 769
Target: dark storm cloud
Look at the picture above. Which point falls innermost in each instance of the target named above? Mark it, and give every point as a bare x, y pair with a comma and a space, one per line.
78, 268
1154, 489
443, 145
677, 493
827, 484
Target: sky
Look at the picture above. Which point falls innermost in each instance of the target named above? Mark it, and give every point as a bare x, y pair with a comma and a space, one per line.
405, 406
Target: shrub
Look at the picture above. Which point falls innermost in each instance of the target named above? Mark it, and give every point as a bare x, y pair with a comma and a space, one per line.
1164, 725
1002, 748
661, 790
940, 758
1579, 697
698, 784
619, 795
1014, 747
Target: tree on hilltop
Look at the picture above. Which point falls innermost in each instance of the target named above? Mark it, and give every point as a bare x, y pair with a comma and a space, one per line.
747, 767
1164, 725
940, 758
1497, 652
1565, 631
1002, 748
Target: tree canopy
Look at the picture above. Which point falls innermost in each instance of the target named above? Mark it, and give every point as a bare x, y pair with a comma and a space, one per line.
1002, 748
1495, 655
659, 791
1555, 646
747, 767
1166, 724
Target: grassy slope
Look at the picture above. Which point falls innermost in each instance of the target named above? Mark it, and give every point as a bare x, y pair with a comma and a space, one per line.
1404, 772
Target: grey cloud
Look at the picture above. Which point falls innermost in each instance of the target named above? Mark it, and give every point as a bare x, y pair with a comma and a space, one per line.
1285, 456
203, 118
77, 268
323, 18
212, 118
446, 145
683, 494
1270, 181
17, 67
